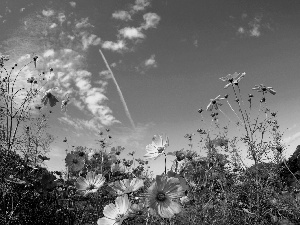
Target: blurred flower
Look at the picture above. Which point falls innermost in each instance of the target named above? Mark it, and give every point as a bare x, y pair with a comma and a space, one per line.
127, 163
30, 80
161, 194
221, 141
127, 186
262, 88
157, 147
49, 97
117, 150
214, 103
115, 213
117, 167
90, 184
232, 78
74, 162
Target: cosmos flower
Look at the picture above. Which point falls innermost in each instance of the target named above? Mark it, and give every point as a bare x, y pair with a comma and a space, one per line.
157, 147
262, 88
114, 214
161, 195
74, 162
214, 103
49, 97
232, 78
127, 186
90, 184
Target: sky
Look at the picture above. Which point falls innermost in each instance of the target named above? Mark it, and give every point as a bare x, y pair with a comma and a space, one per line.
166, 56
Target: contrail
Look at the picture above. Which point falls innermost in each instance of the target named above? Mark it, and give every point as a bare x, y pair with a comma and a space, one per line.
119, 90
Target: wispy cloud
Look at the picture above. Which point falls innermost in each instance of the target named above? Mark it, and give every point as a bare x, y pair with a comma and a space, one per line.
121, 15
70, 73
254, 26
292, 138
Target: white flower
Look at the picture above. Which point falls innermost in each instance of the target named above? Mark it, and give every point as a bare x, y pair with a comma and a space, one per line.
157, 147
90, 184
214, 103
115, 213
232, 78
127, 186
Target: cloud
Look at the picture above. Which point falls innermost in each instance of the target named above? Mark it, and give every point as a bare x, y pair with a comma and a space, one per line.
292, 138
53, 25
254, 26
141, 5
151, 20
70, 74
151, 62
121, 15
88, 40
241, 30
195, 43
73, 4
48, 13
61, 17
48, 53
131, 33
114, 46
105, 74
83, 23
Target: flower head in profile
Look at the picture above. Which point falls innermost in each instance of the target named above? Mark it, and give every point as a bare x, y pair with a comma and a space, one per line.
74, 162
114, 214
127, 186
48, 96
157, 147
65, 102
163, 194
90, 184
214, 103
232, 78
262, 88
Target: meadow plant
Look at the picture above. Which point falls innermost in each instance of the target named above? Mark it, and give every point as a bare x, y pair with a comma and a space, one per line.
100, 186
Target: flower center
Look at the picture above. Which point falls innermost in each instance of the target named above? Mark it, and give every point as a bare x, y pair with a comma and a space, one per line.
119, 217
161, 197
91, 187
75, 161
81, 154
160, 149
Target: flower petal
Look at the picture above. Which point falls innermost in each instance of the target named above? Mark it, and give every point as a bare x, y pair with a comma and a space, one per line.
110, 211
106, 221
123, 204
